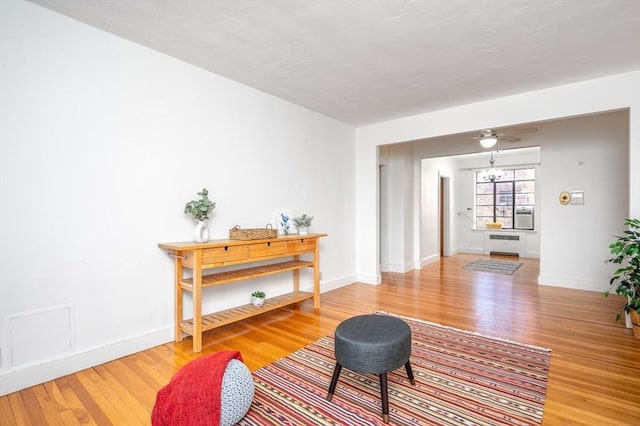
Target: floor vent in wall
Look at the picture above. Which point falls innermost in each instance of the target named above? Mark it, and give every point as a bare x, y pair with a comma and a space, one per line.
505, 243
40, 334
506, 237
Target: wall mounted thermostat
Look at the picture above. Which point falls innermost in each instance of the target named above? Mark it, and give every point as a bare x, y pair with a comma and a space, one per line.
577, 197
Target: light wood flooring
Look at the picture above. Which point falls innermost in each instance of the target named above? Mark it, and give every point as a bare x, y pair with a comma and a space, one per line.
595, 364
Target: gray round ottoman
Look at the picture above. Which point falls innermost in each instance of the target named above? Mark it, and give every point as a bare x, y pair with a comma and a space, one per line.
373, 344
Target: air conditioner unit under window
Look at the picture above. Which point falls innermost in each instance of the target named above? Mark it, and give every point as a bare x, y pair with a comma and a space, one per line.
524, 218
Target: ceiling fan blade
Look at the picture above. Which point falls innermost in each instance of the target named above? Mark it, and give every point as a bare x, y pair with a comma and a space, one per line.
486, 133
509, 139
523, 130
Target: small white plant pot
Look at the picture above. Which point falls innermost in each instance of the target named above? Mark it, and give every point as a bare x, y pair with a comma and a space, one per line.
257, 301
303, 230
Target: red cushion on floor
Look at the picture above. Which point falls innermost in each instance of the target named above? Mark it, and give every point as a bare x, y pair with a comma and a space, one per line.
192, 397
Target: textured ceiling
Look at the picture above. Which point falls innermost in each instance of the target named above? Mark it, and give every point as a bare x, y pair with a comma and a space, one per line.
365, 61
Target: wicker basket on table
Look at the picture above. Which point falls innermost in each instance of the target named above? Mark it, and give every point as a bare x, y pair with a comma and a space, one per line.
237, 233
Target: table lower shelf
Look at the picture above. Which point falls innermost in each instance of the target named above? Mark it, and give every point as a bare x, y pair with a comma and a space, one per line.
246, 273
229, 316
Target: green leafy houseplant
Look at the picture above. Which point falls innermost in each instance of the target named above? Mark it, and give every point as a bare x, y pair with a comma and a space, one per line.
257, 298
303, 221
200, 209
625, 281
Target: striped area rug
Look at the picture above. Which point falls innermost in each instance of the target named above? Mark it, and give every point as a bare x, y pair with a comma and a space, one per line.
462, 378
495, 266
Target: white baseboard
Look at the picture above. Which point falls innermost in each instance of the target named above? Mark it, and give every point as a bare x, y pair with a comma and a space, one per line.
472, 251
573, 283
369, 279
334, 284
529, 254
429, 260
396, 267
26, 375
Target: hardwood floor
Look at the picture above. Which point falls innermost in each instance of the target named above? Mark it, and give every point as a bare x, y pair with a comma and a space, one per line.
595, 364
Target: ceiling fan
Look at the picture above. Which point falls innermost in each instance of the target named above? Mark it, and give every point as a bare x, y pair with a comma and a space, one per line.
488, 137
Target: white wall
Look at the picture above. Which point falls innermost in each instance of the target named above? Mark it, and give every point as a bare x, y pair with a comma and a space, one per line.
398, 207
102, 143
587, 154
593, 96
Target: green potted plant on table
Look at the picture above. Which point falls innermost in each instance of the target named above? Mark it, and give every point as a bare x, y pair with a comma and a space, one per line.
303, 223
625, 281
200, 210
257, 298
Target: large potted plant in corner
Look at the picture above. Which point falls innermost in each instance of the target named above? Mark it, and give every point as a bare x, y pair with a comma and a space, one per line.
199, 210
625, 281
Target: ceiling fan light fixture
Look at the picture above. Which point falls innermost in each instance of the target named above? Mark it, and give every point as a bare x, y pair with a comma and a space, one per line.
488, 141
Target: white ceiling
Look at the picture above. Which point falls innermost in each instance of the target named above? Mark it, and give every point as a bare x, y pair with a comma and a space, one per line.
365, 61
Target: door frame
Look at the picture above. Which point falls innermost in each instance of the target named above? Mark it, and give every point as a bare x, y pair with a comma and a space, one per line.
444, 207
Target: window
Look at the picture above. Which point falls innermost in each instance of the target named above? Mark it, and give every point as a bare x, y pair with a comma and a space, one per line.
499, 195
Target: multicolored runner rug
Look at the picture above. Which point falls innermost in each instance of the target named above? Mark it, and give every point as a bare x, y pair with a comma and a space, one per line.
462, 378
495, 266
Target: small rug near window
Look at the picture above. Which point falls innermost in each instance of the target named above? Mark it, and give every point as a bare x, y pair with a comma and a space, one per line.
462, 378
495, 266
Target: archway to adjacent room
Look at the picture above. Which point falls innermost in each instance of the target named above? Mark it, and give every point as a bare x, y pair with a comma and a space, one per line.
585, 154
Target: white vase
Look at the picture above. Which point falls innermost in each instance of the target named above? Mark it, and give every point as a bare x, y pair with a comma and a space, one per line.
303, 230
201, 232
257, 301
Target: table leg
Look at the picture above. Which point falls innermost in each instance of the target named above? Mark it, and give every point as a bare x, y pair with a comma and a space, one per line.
178, 307
197, 301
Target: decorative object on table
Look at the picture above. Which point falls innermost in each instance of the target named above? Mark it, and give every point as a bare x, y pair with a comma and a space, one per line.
257, 298
201, 232
237, 233
625, 281
200, 210
495, 266
303, 223
217, 387
285, 224
461, 378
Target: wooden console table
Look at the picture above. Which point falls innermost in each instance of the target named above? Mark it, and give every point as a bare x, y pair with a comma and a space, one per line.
216, 253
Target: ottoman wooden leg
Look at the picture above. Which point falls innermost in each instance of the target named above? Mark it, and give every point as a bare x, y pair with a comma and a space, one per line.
385, 397
334, 380
410, 373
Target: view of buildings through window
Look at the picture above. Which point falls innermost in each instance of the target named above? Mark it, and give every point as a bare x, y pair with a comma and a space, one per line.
500, 194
